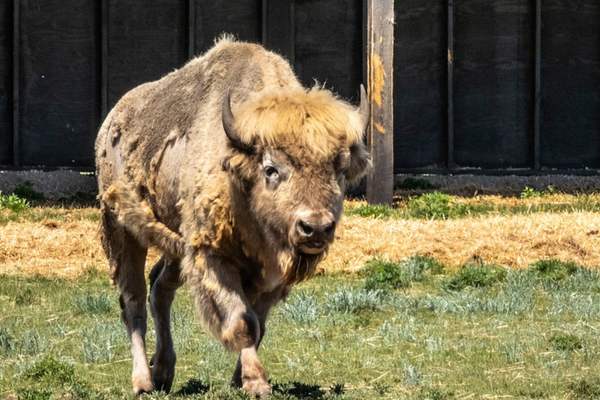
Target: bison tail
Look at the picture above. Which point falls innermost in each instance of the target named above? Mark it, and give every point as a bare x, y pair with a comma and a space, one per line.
137, 217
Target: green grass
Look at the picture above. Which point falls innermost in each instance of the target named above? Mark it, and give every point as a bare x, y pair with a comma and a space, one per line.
475, 275
479, 332
22, 211
529, 193
13, 202
437, 205
374, 211
434, 205
387, 275
554, 270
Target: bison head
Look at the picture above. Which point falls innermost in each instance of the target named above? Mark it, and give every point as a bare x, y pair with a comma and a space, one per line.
292, 154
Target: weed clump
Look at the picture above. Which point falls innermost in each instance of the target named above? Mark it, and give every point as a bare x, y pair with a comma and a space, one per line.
475, 275
387, 275
301, 308
566, 342
51, 370
531, 193
430, 205
554, 270
354, 301
426, 264
13, 203
100, 341
91, 304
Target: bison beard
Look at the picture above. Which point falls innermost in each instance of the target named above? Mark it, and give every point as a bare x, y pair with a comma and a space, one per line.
236, 173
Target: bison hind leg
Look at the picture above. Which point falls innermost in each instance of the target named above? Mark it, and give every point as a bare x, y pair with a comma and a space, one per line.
165, 279
127, 258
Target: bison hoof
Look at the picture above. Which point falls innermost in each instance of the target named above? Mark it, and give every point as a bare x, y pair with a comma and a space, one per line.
257, 387
141, 386
163, 373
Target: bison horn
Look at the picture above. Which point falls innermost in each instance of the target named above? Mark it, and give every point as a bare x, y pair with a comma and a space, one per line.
364, 110
229, 127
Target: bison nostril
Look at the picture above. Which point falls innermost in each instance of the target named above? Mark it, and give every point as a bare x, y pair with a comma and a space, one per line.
305, 229
328, 229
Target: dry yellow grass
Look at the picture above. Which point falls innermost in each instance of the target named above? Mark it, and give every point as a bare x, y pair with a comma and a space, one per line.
515, 240
69, 245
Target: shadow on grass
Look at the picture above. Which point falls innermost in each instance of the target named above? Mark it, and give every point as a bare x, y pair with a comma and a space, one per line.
193, 386
299, 390
291, 390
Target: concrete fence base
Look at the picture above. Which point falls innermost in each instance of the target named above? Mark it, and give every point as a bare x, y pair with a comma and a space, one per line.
54, 185
502, 184
67, 184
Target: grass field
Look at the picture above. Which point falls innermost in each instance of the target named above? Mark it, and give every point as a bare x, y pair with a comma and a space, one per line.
437, 298
407, 330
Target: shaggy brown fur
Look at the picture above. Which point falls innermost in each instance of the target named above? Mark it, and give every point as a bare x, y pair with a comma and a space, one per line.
309, 119
243, 211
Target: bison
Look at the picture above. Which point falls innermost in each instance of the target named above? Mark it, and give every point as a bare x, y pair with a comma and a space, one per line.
236, 173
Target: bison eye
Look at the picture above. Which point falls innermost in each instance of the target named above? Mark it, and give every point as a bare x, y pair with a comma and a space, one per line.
271, 172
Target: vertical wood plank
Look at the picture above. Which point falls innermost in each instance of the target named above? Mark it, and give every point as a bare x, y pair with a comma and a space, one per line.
16, 80
493, 83
328, 44
147, 40
380, 135
191, 31
6, 35
278, 27
538, 85
420, 84
241, 18
570, 107
264, 21
450, 99
104, 21
59, 80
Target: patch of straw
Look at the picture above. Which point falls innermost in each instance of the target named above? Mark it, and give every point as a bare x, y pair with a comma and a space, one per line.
68, 248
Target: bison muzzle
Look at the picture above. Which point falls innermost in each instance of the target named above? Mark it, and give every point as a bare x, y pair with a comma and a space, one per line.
236, 173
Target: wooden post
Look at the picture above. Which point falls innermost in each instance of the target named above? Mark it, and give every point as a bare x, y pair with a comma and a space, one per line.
380, 77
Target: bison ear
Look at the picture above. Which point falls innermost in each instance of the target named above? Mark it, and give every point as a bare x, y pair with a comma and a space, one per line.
235, 140
360, 162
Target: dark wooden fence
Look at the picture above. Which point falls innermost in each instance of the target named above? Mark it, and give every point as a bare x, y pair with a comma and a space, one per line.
499, 86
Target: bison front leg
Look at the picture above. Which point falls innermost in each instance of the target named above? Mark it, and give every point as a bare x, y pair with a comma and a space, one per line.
227, 313
164, 281
262, 307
